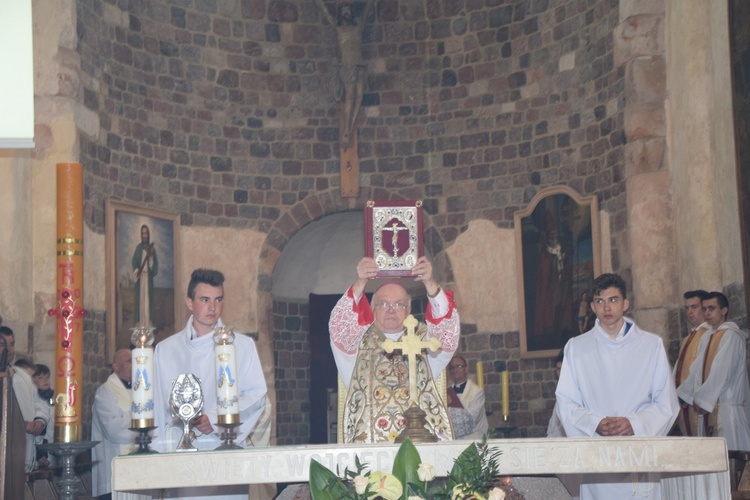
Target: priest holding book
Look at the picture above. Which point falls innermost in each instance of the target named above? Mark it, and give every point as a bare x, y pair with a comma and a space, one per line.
377, 382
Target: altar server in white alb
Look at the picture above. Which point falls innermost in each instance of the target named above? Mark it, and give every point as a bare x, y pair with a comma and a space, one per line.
192, 351
616, 381
717, 387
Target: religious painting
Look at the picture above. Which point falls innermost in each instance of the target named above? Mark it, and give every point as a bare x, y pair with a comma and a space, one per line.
393, 236
143, 272
557, 252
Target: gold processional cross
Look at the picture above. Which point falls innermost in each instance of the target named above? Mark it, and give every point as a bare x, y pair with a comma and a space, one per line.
410, 345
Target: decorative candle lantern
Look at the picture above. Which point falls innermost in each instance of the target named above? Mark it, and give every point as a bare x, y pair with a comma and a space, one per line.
227, 392
142, 408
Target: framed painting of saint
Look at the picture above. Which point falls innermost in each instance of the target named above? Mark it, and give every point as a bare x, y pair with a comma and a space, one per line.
557, 252
393, 236
142, 272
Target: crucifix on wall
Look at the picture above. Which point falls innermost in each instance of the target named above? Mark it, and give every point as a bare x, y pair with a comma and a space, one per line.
348, 81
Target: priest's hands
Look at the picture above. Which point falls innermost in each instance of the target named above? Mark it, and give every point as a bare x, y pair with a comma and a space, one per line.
423, 270
614, 426
203, 424
367, 269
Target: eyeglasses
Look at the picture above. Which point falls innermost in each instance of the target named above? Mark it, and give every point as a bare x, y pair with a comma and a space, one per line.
456, 367
398, 306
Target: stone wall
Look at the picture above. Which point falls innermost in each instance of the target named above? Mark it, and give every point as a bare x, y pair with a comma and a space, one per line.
220, 110
292, 358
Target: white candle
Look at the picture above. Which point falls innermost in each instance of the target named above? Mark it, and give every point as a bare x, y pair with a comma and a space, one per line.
227, 391
142, 408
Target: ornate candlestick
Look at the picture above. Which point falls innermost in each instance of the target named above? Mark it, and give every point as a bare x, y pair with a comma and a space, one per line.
227, 391
142, 407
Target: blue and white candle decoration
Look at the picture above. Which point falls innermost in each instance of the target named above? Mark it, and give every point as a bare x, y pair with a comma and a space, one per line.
227, 392
142, 408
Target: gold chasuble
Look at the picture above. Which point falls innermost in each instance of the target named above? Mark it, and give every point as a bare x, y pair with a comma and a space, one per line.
378, 394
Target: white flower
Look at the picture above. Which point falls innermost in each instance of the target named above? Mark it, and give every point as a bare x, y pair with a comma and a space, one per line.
426, 472
360, 484
414, 497
496, 494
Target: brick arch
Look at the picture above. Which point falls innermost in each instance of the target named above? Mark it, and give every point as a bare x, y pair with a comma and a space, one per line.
319, 205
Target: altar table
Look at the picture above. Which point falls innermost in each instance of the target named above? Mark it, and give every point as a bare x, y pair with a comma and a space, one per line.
674, 458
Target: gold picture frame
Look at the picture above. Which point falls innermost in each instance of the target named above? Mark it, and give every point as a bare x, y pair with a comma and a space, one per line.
163, 294
557, 255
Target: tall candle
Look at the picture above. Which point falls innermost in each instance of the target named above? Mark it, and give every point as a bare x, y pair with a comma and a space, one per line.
504, 382
227, 392
142, 407
480, 374
69, 311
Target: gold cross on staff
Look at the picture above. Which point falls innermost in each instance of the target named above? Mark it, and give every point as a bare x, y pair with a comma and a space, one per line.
410, 345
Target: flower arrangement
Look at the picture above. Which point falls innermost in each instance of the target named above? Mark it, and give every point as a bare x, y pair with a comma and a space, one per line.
474, 476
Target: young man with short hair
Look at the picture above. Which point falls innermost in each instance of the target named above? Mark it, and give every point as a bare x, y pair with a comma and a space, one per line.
192, 351
616, 381
717, 387
689, 350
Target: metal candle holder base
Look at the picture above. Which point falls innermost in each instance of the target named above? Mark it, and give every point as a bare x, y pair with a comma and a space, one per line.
68, 483
415, 427
228, 436
142, 440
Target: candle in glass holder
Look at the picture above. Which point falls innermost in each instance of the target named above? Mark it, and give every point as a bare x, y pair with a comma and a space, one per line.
480, 374
504, 382
142, 408
227, 392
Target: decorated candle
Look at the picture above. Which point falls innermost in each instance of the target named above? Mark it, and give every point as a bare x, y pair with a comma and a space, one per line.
504, 382
480, 374
142, 407
69, 311
227, 392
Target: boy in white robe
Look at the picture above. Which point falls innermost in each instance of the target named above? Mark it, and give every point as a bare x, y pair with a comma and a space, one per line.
192, 351
616, 381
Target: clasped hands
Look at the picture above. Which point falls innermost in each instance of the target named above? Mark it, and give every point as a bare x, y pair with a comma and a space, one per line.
614, 426
35, 428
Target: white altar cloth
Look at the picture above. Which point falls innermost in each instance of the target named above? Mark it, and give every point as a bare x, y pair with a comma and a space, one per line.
675, 459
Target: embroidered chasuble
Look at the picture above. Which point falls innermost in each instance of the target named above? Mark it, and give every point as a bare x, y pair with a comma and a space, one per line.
688, 353
378, 394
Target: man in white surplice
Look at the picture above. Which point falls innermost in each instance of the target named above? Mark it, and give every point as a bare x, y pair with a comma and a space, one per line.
717, 387
192, 351
616, 381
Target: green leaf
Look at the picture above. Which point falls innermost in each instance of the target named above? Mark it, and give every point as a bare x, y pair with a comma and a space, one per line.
324, 484
405, 465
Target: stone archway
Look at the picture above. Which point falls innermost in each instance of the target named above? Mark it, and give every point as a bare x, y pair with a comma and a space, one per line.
306, 252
